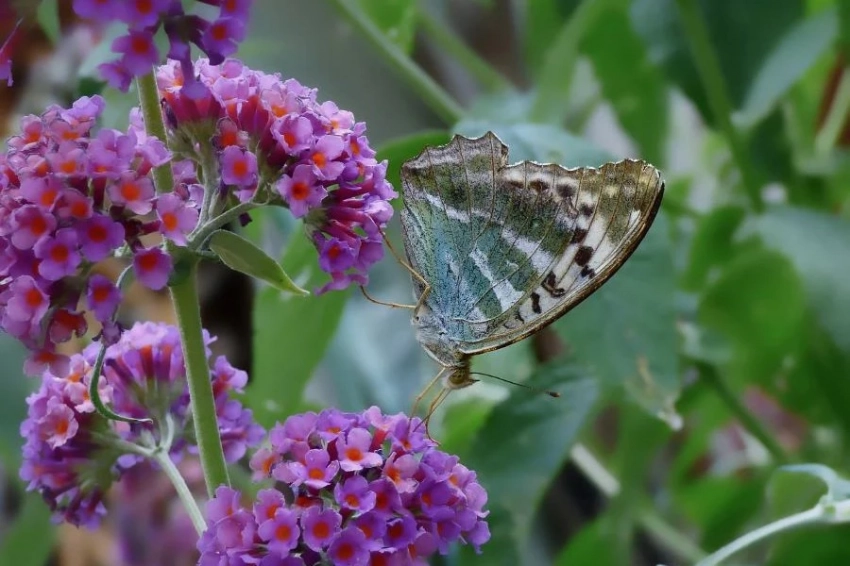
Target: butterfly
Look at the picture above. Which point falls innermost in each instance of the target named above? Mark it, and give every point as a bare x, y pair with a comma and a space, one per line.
499, 251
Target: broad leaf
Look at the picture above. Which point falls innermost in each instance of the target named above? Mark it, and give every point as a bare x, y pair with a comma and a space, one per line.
396, 18
29, 540
290, 335
816, 244
636, 89
791, 58
521, 448
712, 244
242, 255
757, 302
741, 38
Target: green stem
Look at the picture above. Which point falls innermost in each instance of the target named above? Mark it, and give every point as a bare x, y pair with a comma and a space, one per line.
460, 52
154, 125
710, 375
711, 76
648, 518
160, 456
184, 295
431, 93
837, 116
809, 516
197, 239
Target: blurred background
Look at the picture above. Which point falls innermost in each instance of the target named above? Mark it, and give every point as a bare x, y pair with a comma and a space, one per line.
719, 353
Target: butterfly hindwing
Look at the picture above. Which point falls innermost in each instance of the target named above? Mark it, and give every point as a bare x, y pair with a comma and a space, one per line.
508, 249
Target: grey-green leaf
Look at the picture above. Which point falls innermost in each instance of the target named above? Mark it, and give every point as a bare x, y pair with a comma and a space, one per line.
523, 445
244, 256
795, 54
816, 244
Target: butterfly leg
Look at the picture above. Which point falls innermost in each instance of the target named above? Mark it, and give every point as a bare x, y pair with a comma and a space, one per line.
416, 275
386, 303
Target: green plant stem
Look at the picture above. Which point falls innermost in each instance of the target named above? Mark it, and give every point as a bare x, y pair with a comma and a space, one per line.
184, 295
709, 375
431, 93
837, 115
149, 101
460, 52
162, 458
809, 516
711, 76
647, 517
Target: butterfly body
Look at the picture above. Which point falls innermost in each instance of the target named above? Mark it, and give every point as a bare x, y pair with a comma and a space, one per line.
503, 250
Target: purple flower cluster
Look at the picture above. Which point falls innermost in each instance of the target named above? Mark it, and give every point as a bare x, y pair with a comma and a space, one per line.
69, 198
366, 488
276, 144
137, 50
72, 454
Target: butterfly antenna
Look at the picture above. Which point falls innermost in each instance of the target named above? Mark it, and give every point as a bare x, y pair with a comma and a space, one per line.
385, 303
548, 392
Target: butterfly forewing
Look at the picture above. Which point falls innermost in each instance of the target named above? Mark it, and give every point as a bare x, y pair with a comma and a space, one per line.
508, 249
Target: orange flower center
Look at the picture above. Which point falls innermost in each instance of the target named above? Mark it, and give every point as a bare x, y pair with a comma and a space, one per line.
130, 191
33, 297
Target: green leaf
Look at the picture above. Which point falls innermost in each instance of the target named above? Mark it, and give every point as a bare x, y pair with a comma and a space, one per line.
742, 39
757, 302
797, 51
837, 488
591, 545
396, 18
29, 540
712, 244
291, 335
636, 89
543, 20
521, 448
48, 19
539, 142
626, 331
244, 256
816, 244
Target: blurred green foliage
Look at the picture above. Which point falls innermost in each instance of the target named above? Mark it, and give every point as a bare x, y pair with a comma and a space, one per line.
719, 351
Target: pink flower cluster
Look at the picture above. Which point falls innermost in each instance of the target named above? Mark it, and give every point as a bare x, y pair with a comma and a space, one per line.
361, 488
72, 454
275, 143
143, 18
69, 198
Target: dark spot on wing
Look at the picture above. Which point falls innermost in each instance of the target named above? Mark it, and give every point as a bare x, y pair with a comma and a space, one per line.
537, 185
550, 285
587, 272
579, 235
565, 189
583, 255
535, 303
586, 209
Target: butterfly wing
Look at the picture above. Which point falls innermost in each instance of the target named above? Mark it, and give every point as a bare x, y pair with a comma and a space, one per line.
509, 249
